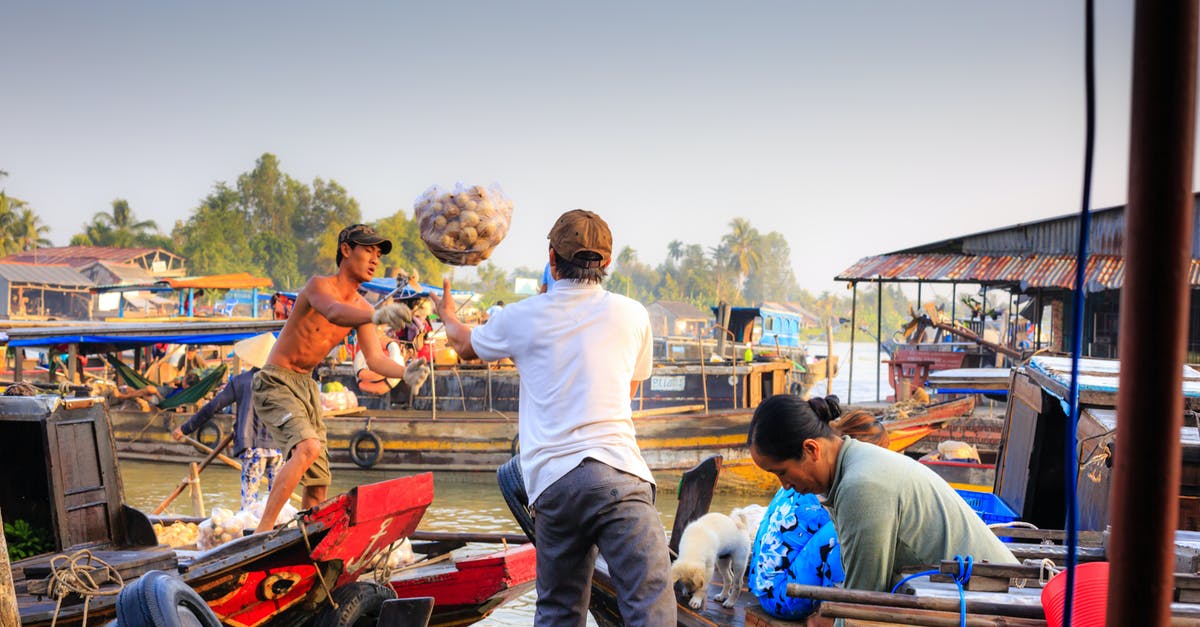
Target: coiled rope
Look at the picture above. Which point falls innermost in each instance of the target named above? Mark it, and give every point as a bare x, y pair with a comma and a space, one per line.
76, 573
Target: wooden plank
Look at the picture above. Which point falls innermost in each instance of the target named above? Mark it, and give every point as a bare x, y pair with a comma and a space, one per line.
866, 597
8, 591
666, 411
930, 618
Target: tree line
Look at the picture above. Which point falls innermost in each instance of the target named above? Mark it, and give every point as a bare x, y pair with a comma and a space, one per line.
270, 224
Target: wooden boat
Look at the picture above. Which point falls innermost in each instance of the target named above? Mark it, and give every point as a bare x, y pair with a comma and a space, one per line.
262, 579
466, 420
466, 582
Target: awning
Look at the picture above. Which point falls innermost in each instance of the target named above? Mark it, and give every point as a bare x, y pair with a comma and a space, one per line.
119, 335
239, 280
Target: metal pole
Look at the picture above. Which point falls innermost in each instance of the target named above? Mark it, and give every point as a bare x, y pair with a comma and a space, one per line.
918, 296
953, 302
1154, 313
878, 335
1037, 343
853, 331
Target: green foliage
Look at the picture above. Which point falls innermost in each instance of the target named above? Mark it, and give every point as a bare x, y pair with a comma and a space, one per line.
119, 228
20, 228
268, 223
24, 540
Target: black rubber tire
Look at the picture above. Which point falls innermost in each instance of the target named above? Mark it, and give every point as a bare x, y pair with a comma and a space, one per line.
215, 432
369, 457
160, 599
358, 605
512, 486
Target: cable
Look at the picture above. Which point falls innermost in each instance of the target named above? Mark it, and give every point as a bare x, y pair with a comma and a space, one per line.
1081, 256
960, 579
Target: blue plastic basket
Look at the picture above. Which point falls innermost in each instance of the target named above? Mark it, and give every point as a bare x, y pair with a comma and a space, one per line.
989, 506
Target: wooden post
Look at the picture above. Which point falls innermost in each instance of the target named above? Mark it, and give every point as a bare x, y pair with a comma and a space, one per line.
18, 364
8, 591
853, 332
72, 366
197, 497
703, 373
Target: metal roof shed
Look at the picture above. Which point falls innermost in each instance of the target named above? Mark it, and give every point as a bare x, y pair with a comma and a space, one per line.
41, 292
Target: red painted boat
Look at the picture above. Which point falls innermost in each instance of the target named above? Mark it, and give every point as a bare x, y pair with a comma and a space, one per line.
467, 583
72, 490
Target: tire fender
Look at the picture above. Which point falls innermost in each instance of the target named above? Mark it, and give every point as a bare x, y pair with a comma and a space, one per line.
210, 427
369, 457
160, 599
355, 601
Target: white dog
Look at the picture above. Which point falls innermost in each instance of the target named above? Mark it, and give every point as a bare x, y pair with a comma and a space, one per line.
748, 518
712, 541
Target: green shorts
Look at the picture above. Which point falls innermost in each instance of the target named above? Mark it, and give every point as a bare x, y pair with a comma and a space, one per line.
289, 403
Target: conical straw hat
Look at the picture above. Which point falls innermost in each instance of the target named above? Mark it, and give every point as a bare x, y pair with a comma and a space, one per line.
254, 350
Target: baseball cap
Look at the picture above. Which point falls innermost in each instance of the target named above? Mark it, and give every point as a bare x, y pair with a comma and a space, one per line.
366, 236
579, 231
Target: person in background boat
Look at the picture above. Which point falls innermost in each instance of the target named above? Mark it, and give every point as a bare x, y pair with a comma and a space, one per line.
796, 541
194, 364
890, 512
495, 309
415, 335
416, 369
547, 280
286, 397
580, 353
251, 442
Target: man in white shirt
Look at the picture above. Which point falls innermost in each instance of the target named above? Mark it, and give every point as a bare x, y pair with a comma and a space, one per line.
581, 351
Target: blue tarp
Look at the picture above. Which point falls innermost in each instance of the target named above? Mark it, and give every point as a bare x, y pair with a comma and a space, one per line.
135, 340
386, 285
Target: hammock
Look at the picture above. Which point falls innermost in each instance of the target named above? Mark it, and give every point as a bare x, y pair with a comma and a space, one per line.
180, 396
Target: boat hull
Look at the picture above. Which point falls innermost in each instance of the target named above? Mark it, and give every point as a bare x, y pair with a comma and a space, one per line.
414, 441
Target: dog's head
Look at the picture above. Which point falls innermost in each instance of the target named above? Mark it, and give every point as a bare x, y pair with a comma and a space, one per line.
690, 577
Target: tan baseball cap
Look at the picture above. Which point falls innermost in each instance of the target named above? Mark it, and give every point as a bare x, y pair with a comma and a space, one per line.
579, 231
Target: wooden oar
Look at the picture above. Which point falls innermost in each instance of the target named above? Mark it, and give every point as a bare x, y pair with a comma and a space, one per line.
183, 484
203, 448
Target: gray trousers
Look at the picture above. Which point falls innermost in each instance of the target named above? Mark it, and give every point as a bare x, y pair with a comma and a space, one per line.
595, 507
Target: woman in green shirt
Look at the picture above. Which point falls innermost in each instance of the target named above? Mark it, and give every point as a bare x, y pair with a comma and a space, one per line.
890, 512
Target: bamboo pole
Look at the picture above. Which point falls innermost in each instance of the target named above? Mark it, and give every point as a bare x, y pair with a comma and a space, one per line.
8, 590
183, 484
828, 359
908, 601
703, 372
197, 496
204, 448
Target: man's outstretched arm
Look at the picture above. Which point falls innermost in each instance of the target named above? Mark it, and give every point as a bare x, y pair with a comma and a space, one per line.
457, 333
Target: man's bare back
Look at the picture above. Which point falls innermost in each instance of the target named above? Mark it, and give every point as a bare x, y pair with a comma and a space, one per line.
308, 336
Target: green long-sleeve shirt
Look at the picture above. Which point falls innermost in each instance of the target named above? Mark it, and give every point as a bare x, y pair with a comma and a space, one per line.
891, 512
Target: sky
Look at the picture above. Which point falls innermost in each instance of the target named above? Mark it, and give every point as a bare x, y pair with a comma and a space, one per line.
852, 128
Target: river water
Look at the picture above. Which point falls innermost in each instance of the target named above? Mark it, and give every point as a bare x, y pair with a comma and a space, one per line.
472, 501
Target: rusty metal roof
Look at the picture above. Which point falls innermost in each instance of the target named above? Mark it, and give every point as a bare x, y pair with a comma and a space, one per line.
1104, 272
78, 256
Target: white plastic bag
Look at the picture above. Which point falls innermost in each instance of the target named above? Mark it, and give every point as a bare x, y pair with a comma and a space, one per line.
463, 226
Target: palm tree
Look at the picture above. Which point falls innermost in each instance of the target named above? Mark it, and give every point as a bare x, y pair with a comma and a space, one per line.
675, 250
118, 228
741, 244
29, 231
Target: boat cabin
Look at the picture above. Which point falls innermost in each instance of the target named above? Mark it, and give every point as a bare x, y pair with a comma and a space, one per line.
1030, 473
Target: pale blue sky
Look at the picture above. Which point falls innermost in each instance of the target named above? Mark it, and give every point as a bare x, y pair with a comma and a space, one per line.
853, 128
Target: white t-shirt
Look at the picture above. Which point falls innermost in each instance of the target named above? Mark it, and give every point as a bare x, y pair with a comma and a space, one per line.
577, 348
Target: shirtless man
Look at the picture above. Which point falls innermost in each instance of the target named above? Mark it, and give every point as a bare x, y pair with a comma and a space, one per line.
286, 398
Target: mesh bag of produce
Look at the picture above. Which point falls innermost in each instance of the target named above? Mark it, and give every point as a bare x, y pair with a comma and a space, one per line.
463, 226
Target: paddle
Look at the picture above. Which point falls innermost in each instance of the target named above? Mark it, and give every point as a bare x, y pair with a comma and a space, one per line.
695, 496
204, 464
203, 448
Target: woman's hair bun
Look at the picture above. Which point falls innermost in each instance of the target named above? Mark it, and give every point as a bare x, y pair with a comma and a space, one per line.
827, 409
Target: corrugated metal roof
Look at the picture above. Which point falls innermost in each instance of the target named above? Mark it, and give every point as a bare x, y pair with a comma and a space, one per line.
64, 276
686, 311
1104, 272
80, 255
1052, 236
125, 273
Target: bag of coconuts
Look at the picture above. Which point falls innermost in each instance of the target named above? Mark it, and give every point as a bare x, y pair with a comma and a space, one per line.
463, 226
